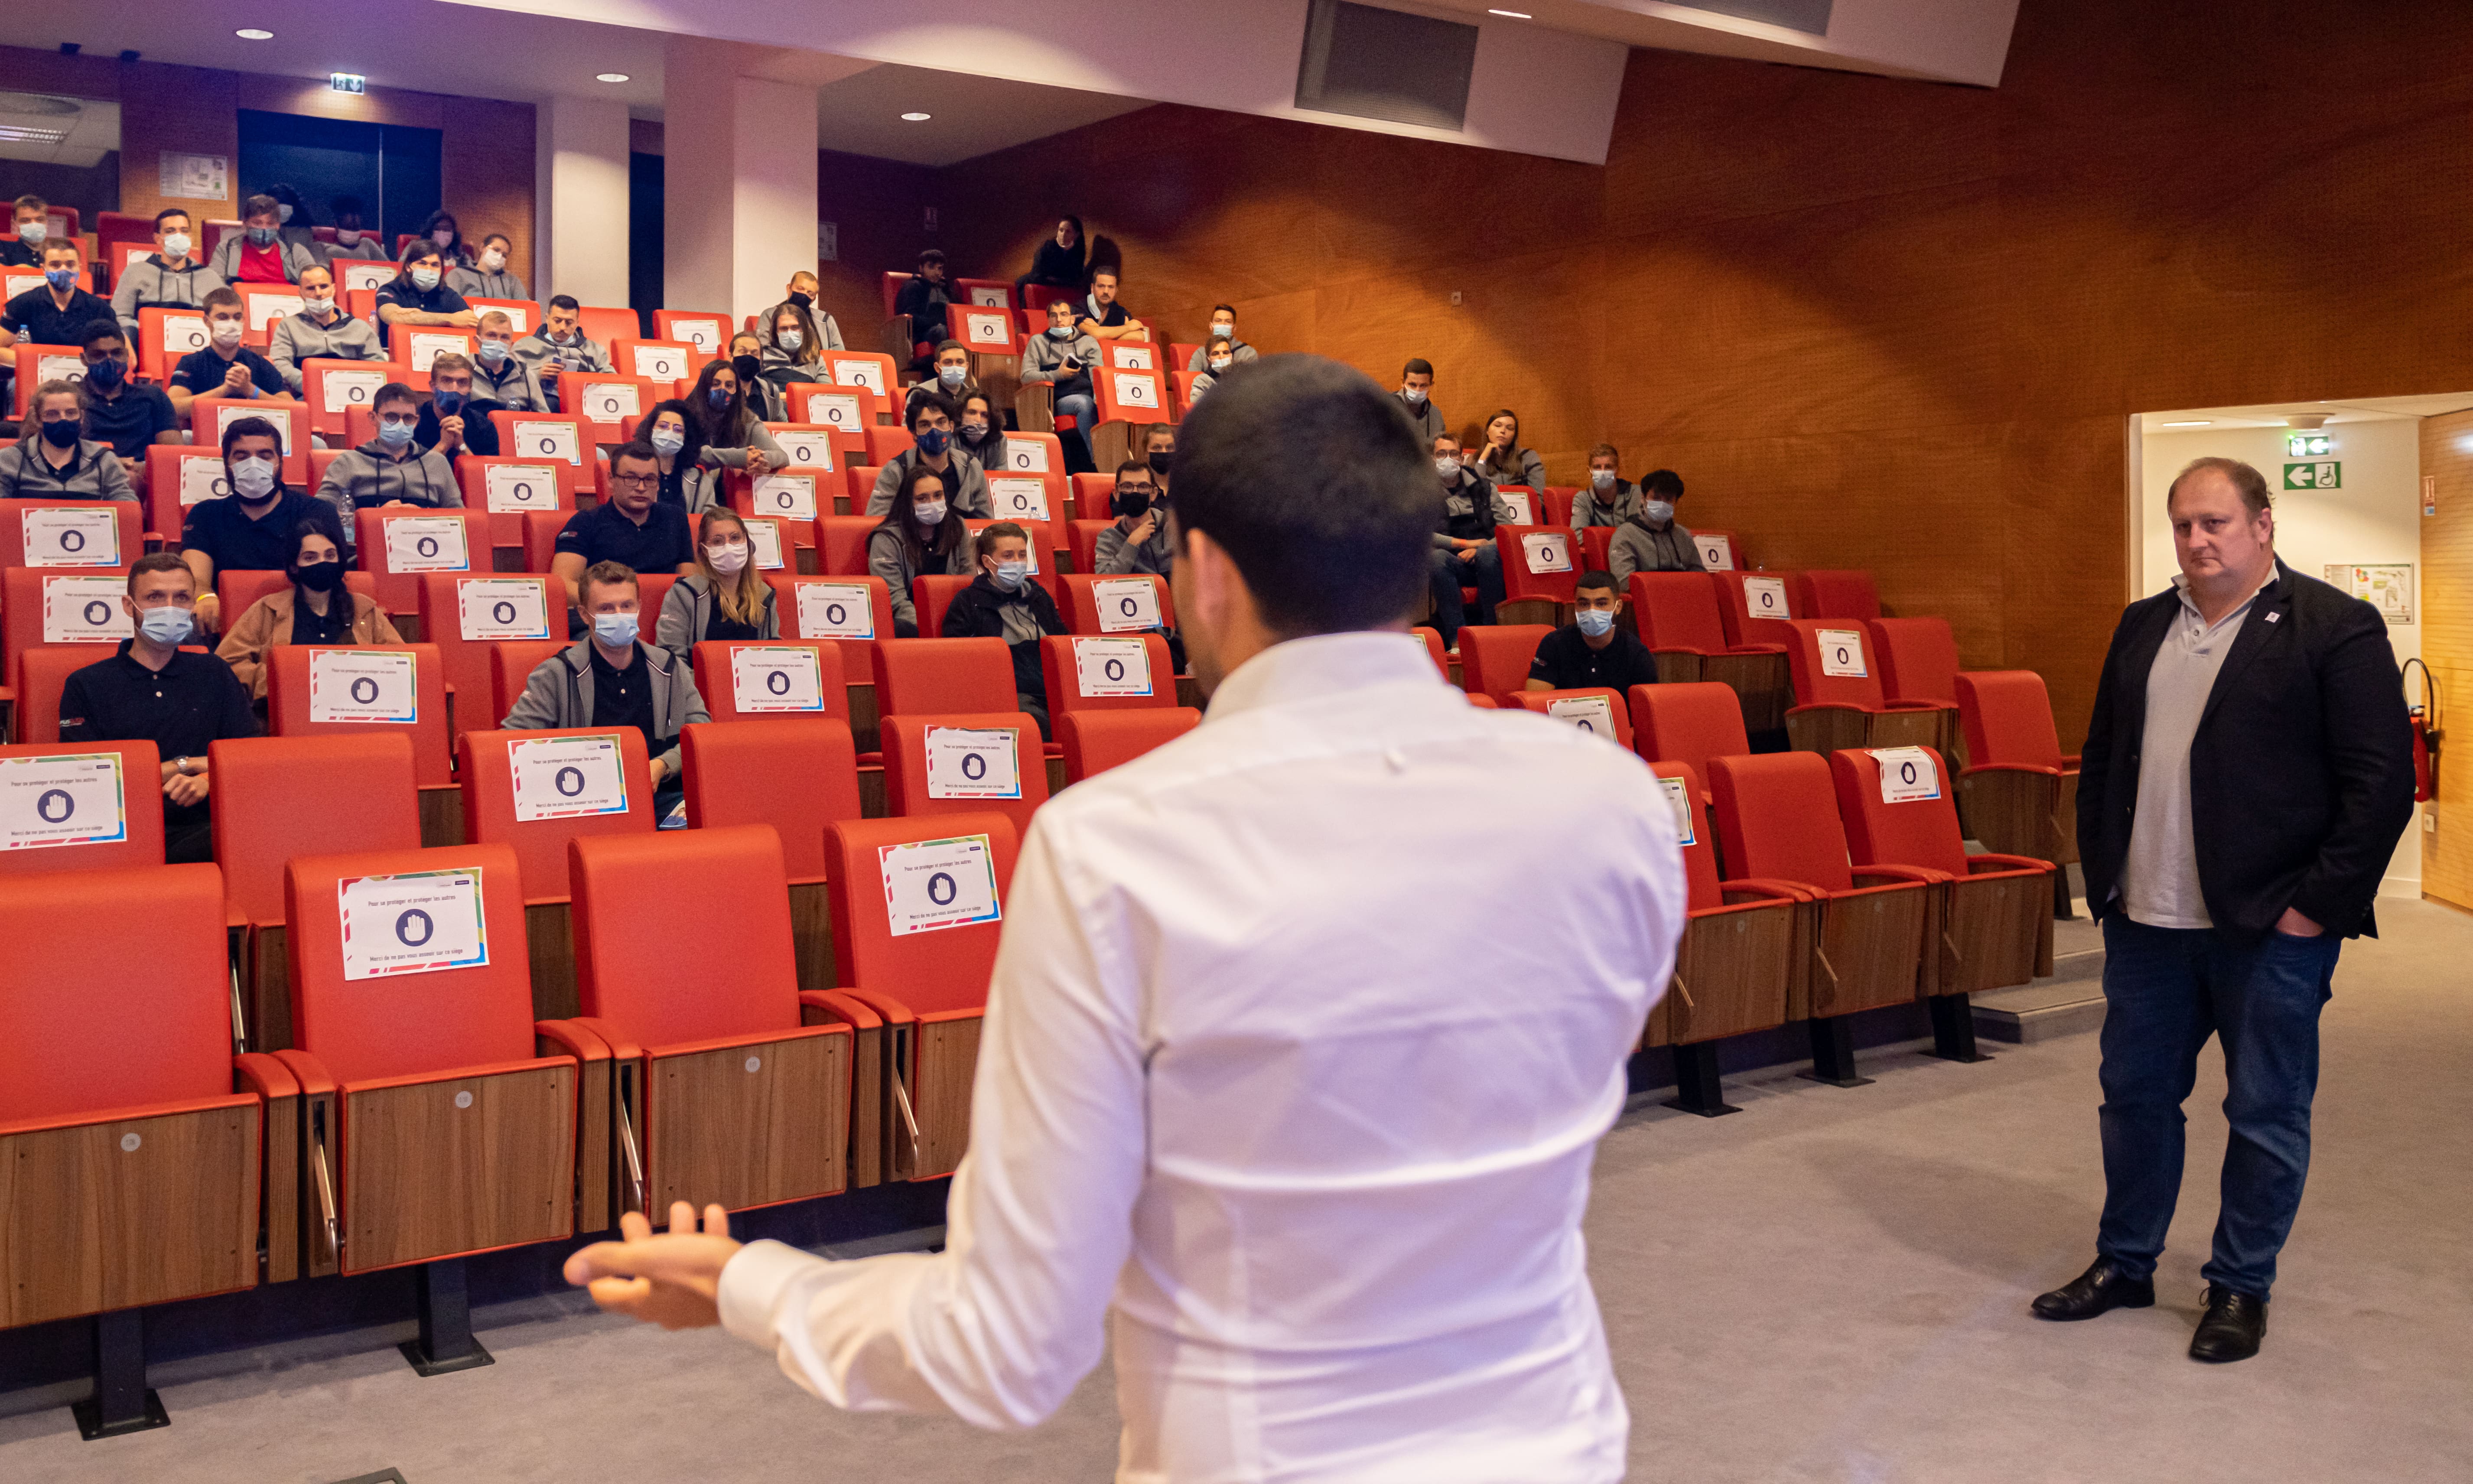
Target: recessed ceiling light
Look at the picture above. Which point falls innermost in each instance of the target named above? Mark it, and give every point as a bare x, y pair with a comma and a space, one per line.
253, 34
609, 77
1511, 15
2201, 422
916, 118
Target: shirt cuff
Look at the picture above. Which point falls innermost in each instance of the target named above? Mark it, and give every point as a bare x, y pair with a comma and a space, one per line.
753, 1282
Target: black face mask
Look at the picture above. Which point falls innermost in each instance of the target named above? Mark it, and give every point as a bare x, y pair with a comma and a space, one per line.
105, 374
320, 576
804, 300
1132, 502
1161, 459
745, 366
62, 434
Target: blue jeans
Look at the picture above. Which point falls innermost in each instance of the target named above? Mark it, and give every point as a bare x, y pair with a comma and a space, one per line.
2169, 989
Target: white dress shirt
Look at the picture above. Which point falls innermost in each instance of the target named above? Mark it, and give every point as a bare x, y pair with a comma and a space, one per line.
1301, 1036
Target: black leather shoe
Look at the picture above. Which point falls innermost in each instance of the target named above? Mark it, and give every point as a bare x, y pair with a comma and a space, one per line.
2231, 1327
2098, 1290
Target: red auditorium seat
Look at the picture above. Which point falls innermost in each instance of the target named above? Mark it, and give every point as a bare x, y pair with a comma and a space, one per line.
41, 606
511, 489
1678, 617
1720, 550
2019, 794
178, 476
1756, 605
660, 362
797, 774
1135, 603
512, 662
71, 536
401, 546
1106, 673
706, 332
771, 678
38, 364
1689, 724
1495, 657
919, 677
42, 672
94, 806
566, 437
1838, 694
1096, 741
333, 387
1539, 570
1433, 641
1598, 709
315, 690
1918, 658
608, 401
1835, 593
961, 761
164, 336
466, 616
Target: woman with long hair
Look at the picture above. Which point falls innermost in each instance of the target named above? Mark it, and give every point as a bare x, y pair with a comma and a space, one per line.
440, 231
672, 429
732, 432
1505, 462
794, 349
922, 534
314, 608
725, 598
981, 433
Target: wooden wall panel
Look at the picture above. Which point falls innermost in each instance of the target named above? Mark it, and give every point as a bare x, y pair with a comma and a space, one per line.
2447, 648
189, 111
879, 211
487, 167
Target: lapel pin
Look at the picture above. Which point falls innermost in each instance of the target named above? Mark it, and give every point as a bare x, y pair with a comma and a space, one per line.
2272, 617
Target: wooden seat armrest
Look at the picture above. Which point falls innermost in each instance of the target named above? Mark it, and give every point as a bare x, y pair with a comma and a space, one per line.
622, 1045
1915, 706
314, 1080
832, 1007
1829, 706
1772, 886
891, 1011
1994, 864
260, 1072
90, 1116
1921, 875
1751, 894
459, 1074
2008, 767
750, 1038
572, 1036
1680, 649
898, 341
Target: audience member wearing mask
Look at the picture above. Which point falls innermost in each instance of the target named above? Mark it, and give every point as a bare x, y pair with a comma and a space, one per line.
248, 526
1062, 357
1503, 461
1593, 650
392, 469
500, 376
454, 421
1061, 261
225, 368
152, 690
952, 377
314, 608
1465, 555
489, 277
611, 679
172, 276
933, 446
559, 344
764, 399
687, 482
258, 254
1608, 500
1100, 315
1417, 399
130, 416
417, 297
54, 460
292, 222
1650, 540
925, 300
439, 230
56, 311
320, 331
980, 432
725, 598
1216, 359
922, 534
733, 436
352, 239
1005, 602
29, 217
818, 333
1137, 541
1223, 326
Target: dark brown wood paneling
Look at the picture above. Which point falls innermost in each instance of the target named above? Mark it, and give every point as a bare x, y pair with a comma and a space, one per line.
424, 1177
749, 1125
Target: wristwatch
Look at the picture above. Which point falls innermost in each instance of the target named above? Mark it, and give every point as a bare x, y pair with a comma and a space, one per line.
181, 765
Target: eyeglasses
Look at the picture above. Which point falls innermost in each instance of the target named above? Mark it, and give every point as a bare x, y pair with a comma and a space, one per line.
636, 481
399, 419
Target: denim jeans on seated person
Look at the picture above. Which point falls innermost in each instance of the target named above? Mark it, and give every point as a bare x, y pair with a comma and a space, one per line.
2166, 990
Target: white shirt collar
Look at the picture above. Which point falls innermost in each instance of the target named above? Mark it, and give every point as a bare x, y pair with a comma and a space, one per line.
1322, 664
2181, 587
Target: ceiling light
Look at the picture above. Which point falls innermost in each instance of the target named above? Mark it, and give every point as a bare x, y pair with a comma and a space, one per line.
253, 34
609, 77
19, 133
917, 118
2196, 422
1511, 15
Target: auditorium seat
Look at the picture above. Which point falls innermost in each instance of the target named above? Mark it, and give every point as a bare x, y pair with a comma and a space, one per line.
72, 535
943, 762
1495, 657
36, 365
1129, 402
237, 589
1844, 592
136, 1145
1525, 511
2019, 791
708, 333
1134, 603
1689, 724
164, 336
854, 611
262, 305
665, 363
512, 662
42, 605
841, 544
605, 326
771, 678
996, 350
1538, 574
1597, 710
607, 400
871, 369
917, 676
566, 437
1736, 962
1106, 673
886, 442
1679, 620
523, 315
536, 791
317, 690
728, 1084
42, 672
511, 489
1720, 550
401, 545
97, 805
1918, 659
1756, 605
466, 616
1597, 548
277, 798
795, 495
1838, 702
1777, 815
1554, 508
797, 774
1082, 538
435, 1126
420, 346
1434, 651
930, 594
1096, 741
917, 909
175, 477
816, 445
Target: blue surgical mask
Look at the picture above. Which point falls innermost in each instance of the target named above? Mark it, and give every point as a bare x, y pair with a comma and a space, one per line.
61, 278
934, 441
1594, 622
1060, 332
261, 236
425, 278
395, 434
953, 376
1009, 574
492, 353
668, 442
789, 341
447, 403
615, 631
166, 625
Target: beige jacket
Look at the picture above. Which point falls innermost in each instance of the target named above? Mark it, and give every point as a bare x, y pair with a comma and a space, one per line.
268, 623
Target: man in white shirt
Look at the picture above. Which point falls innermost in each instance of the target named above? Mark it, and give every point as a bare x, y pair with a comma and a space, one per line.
1311, 1153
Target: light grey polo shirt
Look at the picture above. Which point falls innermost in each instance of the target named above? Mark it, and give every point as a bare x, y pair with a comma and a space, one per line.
2159, 879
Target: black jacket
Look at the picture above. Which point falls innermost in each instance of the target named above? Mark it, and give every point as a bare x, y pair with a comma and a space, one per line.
974, 614
2300, 774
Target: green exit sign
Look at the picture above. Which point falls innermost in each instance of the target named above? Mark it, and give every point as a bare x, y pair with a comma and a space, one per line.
2321, 474
2309, 445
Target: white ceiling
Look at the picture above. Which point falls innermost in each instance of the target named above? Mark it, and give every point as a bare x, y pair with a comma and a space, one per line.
2271, 414
86, 134
972, 115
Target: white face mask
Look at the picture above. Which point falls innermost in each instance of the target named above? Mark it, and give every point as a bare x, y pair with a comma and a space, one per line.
1602, 478
1447, 465
1225, 333
425, 278
727, 559
493, 261
444, 238
317, 304
33, 233
930, 513
1220, 363
226, 333
789, 339
347, 236
176, 245
282, 212
1414, 394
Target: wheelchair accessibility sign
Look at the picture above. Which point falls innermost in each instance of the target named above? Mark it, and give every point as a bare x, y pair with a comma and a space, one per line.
415, 922
933, 884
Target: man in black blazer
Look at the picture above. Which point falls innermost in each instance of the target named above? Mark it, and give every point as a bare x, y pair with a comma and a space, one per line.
2247, 772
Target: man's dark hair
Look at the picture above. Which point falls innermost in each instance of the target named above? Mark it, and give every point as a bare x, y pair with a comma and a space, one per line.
224, 297
1230, 309
1602, 581
1139, 466
1419, 367
1662, 485
171, 211
989, 535
259, 206
931, 257
937, 400
252, 427
1309, 477
100, 330
943, 346
638, 449
394, 392
159, 561
1151, 430
564, 302
2247, 482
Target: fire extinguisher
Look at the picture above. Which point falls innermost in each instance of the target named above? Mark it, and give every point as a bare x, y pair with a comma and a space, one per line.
2426, 733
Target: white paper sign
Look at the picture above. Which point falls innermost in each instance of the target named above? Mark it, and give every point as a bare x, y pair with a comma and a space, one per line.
991, 295
515, 488
374, 272
806, 450
426, 543
1717, 553
1126, 603
72, 538
346, 389
836, 410
789, 496
1113, 667
194, 177
1548, 551
972, 762
1136, 389
932, 885
1907, 773
546, 440
184, 333
1588, 713
776, 678
564, 778
232, 411
1018, 499
1764, 597
836, 611
660, 362
703, 334
1126, 355
608, 401
263, 307
1678, 797
860, 374
502, 608
85, 611
363, 685
64, 799
415, 922
993, 329
426, 349
1514, 508
1025, 456
1841, 652
764, 537
15, 283
519, 314
203, 479
59, 368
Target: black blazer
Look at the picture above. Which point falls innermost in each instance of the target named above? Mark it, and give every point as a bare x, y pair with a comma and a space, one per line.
2300, 772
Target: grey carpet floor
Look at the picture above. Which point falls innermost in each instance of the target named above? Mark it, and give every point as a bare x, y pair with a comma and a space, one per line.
1828, 1286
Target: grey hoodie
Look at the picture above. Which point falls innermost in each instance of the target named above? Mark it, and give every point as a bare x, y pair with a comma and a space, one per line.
369, 475
297, 338
473, 284
559, 694
585, 355
225, 260
95, 474
150, 285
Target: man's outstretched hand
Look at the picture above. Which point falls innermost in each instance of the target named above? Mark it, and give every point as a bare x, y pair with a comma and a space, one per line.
670, 1281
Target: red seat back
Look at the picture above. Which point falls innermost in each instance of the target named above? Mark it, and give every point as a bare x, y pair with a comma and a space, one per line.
707, 332
1677, 611
1681, 784
1082, 537
1898, 808
1832, 660
789, 679
1037, 453
931, 593
841, 544
795, 495
164, 336
41, 606
1918, 658
511, 664
42, 671
37, 363
607, 400
72, 535
476, 1011
634, 893
987, 331
511, 489
1839, 592
1595, 709
238, 588
1495, 657
1720, 550
94, 806
870, 370
798, 775
177, 477
1755, 606
464, 617
1538, 561
1523, 507
921, 776
606, 325
133, 1013
1436, 650
1596, 547
277, 798
1777, 813
565, 437
928, 677
1096, 741
551, 768
657, 361
423, 541
1116, 605
1130, 395
1128, 672
874, 864
849, 610
2008, 719
315, 690
1688, 724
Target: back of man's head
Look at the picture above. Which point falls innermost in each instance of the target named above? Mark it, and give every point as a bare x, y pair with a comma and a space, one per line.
1312, 480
